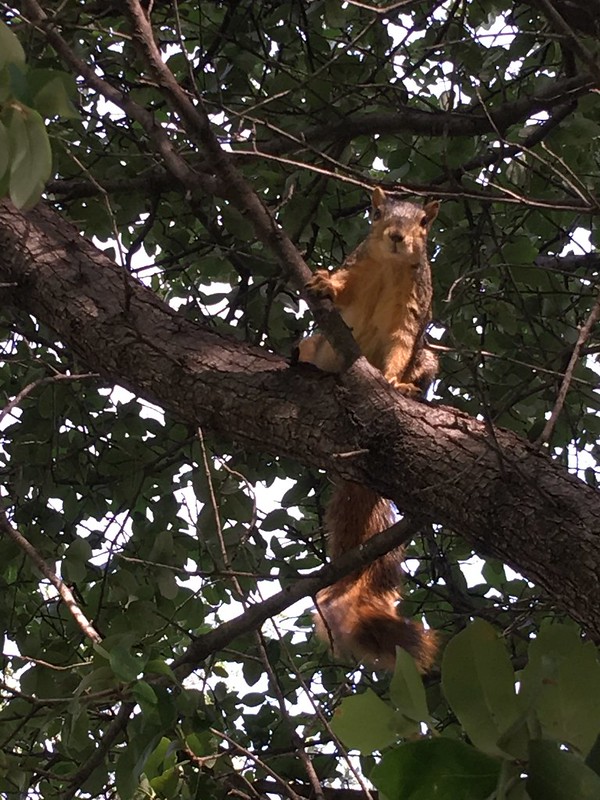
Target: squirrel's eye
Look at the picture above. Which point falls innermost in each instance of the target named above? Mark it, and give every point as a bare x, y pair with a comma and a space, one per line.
376, 214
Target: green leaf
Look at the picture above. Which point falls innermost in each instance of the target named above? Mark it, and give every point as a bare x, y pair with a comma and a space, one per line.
493, 573
79, 550
519, 251
479, 684
443, 769
236, 223
76, 560
31, 157
334, 14
76, 736
364, 722
154, 763
407, 692
53, 93
515, 740
167, 584
561, 683
556, 774
144, 694
16, 85
202, 744
167, 783
10, 47
96, 680
126, 778
157, 666
124, 664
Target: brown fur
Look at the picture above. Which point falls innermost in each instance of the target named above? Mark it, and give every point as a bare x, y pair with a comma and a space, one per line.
383, 292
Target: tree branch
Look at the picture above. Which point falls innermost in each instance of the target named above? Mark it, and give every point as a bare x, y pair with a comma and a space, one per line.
469, 121
231, 184
235, 187
61, 587
504, 496
31, 387
584, 333
570, 262
254, 616
112, 732
563, 26
265, 786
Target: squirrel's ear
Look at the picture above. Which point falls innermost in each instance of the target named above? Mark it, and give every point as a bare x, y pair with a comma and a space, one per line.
431, 210
378, 197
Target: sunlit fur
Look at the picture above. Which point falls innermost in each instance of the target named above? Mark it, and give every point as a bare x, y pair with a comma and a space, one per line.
357, 615
383, 292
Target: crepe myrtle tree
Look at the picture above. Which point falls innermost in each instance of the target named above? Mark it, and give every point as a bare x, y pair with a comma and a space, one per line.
171, 172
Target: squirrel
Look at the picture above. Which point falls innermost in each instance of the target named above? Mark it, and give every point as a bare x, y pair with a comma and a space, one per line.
383, 292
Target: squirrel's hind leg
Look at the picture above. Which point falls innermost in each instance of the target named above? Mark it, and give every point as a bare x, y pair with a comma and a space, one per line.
420, 374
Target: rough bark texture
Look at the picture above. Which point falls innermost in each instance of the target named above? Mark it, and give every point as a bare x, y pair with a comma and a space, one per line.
502, 495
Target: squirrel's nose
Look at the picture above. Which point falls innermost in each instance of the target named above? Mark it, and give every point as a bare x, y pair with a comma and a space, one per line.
395, 236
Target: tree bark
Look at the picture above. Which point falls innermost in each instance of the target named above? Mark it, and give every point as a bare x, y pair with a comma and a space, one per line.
502, 495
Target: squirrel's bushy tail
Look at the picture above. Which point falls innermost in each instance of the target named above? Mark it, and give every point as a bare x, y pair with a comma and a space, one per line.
357, 615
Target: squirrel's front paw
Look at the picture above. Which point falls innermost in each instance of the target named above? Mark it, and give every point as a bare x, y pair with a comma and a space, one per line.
321, 284
407, 389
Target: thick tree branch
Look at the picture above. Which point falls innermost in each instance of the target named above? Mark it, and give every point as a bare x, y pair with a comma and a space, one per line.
571, 262
508, 149
255, 615
497, 490
230, 182
469, 121
154, 184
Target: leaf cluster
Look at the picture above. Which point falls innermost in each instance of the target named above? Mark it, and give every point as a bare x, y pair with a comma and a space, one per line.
165, 532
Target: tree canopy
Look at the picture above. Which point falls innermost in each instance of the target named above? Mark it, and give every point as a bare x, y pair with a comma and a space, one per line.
171, 174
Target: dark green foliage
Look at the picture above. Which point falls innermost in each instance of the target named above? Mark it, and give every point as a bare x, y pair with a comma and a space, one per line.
160, 530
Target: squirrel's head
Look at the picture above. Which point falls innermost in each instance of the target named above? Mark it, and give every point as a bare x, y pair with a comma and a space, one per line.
400, 229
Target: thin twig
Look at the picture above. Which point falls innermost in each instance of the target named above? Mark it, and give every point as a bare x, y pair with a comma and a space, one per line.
287, 789
440, 348
200, 573
42, 663
251, 492
213, 498
584, 333
381, 11
351, 453
41, 382
60, 586
365, 792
